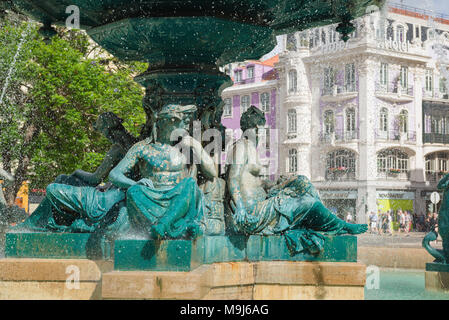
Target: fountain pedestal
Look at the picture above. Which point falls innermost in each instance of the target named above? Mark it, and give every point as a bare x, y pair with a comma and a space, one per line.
437, 276
264, 280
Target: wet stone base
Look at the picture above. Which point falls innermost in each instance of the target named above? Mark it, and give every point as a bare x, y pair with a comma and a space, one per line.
51, 279
186, 255
265, 280
46, 245
437, 276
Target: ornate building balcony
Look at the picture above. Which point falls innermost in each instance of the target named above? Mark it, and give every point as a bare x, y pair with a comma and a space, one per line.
339, 136
436, 138
339, 93
394, 92
396, 136
435, 95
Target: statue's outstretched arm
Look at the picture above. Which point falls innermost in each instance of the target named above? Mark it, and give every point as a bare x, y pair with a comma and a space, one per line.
117, 176
112, 158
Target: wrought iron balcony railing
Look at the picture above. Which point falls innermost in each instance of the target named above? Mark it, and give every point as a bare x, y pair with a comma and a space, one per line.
436, 138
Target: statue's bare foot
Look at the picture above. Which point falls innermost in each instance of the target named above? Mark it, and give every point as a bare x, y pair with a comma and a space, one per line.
356, 228
158, 231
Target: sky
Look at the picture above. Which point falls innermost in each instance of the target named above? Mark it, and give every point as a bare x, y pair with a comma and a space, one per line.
439, 6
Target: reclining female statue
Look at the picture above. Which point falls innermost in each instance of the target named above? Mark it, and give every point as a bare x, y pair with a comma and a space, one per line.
292, 209
166, 202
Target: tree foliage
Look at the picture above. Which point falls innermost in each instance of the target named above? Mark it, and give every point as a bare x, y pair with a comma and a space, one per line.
55, 94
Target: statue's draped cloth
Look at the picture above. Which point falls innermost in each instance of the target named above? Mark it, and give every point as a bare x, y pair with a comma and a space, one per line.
182, 205
297, 212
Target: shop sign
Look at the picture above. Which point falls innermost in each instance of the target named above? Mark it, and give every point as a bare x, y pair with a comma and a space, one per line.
338, 194
395, 195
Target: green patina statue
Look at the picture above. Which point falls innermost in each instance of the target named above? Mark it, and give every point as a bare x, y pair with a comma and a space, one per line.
166, 202
76, 202
441, 256
292, 208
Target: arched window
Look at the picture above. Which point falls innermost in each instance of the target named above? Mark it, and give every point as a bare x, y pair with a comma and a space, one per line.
350, 120
328, 122
400, 34
292, 160
403, 121
392, 161
291, 121
292, 81
244, 103
383, 120
437, 165
340, 164
265, 101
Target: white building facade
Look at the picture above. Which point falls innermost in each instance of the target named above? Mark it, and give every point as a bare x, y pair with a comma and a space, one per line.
367, 120
372, 113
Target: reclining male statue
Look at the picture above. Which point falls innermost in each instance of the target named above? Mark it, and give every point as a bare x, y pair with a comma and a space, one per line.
75, 203
292, 209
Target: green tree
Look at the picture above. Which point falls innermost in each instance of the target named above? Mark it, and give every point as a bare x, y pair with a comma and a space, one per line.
55, 93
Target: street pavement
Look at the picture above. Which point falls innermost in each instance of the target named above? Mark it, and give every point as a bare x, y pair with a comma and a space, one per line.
410, 240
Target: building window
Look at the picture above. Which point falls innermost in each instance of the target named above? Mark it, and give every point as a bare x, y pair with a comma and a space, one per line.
443, 88
328, 122
384, 74
244, 103
332, 35
436, 164
227, 108
265, 101
291, 121
350, 120
267, 138
429, 80
404, 77
250, 72
292, 161
340, 164
329, 80
238, 75
400, 34
292, 81
392, 161
403, 121
350, 77
291, 42
383, 120
323, 36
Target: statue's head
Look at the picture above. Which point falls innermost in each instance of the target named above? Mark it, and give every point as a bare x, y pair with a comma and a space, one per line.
172, 117
252, 118
110, 125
